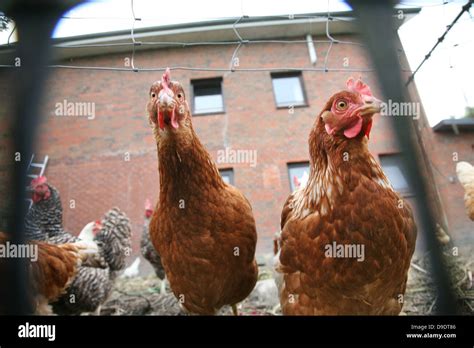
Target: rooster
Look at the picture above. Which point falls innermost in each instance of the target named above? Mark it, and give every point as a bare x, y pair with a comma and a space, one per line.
465, 173
347, 206
203, 228
148, 250
54, 268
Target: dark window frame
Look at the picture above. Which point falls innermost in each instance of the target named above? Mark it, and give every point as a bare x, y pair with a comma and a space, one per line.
283, 74
231, 173
206, 81
404, 193
296, 164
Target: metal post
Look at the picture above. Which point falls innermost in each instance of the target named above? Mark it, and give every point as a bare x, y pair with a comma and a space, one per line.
35, 21
377, 25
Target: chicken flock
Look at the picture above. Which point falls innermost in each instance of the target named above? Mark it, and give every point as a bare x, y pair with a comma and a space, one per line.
88, 284
345, 245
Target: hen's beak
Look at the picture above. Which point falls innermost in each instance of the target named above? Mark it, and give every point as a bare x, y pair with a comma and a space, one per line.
166, 108
371, 106
166, 99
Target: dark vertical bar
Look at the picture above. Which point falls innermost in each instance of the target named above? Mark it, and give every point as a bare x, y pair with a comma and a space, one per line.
35, 22
375, 19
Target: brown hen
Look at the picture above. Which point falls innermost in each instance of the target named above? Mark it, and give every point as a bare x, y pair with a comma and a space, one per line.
347, 237
203, 228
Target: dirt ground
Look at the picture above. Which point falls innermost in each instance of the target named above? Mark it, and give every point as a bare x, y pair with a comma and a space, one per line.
141, 295
420, 296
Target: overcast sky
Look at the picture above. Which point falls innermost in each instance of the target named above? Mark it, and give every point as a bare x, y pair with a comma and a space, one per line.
444, 82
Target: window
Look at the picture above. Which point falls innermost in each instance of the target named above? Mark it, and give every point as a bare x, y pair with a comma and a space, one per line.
298, 174
395, 171
207, 96
227, 175
288, 89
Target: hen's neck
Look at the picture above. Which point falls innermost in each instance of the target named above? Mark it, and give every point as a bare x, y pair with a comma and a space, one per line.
339, 155
185, 167
336, 164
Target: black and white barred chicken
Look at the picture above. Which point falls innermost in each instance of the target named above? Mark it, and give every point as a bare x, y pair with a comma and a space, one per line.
148, 250
92, 285
44, 219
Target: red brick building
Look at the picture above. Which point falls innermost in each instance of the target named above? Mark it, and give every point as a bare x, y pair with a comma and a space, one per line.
110, 159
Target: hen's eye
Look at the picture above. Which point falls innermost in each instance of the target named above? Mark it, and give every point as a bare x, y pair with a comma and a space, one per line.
153, 95
341, 104
180, 95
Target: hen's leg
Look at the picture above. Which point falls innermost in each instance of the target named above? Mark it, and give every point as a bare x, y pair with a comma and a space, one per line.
97, 311
235, 310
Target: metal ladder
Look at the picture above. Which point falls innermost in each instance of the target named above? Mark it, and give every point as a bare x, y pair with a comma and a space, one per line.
31, 167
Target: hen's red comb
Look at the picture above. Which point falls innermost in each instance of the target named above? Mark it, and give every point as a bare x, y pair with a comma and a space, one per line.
97, 226
148, 205
40, 180
166, 78
358, 86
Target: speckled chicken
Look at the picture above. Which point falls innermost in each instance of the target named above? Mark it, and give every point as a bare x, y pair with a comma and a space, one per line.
347, 237
44, 220
45, 217
92, 286
203, 228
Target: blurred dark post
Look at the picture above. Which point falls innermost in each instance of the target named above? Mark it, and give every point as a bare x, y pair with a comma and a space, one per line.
375, 20
35, 22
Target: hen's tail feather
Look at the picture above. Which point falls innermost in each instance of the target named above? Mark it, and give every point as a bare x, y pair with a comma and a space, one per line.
115, 238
